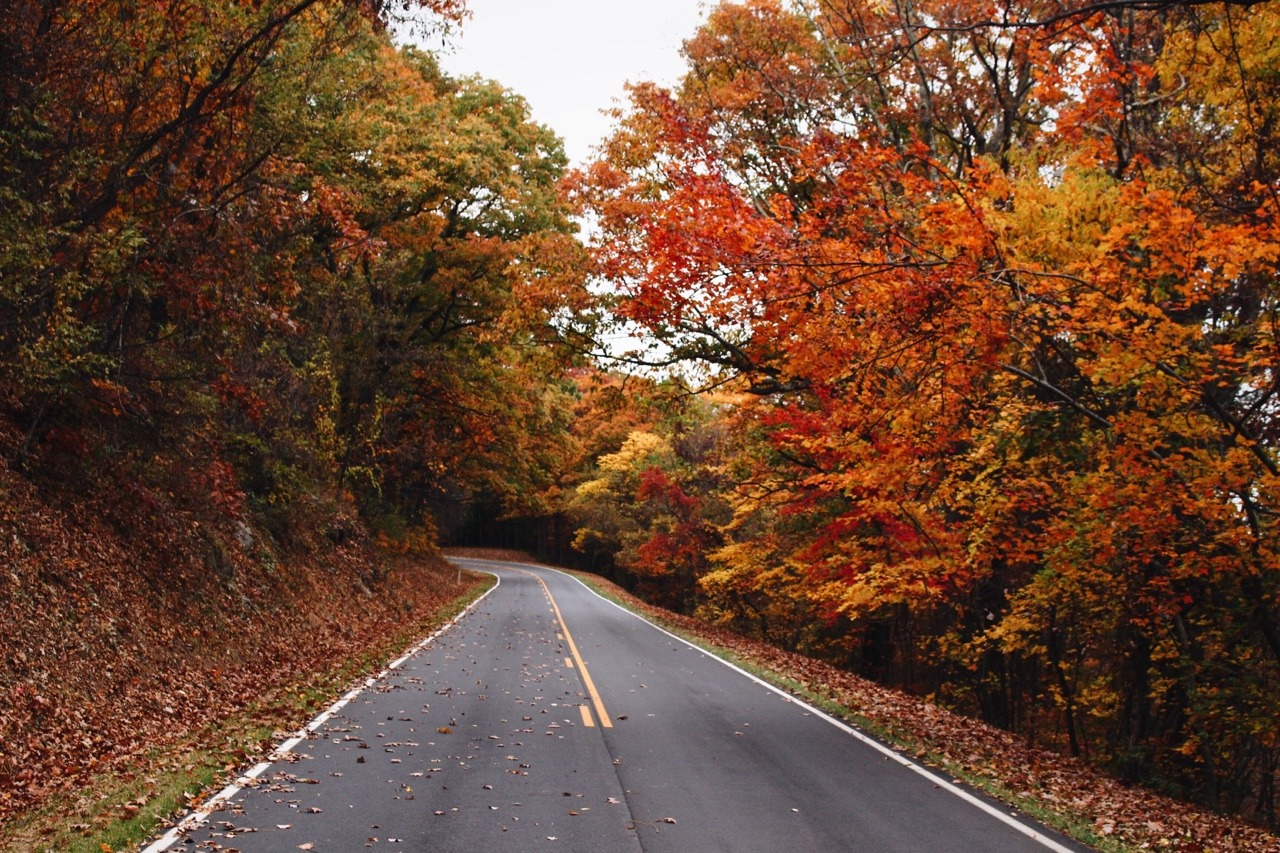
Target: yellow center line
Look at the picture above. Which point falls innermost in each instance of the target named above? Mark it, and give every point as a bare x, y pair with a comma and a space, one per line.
592, 694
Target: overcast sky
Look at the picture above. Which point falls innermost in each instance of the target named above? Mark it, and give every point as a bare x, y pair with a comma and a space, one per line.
570, 58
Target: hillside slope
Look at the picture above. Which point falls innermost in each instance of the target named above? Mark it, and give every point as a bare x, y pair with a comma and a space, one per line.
136, 619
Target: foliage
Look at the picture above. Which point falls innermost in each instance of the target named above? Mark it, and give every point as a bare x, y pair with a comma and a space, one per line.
649, 512
996, 286
260, 234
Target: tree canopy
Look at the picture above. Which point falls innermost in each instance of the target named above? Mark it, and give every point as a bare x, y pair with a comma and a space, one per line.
996, 286
262, 235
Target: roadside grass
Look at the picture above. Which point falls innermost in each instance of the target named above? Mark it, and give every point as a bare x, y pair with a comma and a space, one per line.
121, 810
901, 738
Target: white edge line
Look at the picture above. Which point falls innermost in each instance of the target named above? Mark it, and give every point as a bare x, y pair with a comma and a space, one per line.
942, 783
198, 816
258, 770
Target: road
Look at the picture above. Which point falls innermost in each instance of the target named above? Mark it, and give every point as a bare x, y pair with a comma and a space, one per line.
548, 718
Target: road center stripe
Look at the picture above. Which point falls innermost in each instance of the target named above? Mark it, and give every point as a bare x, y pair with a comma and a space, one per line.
592, 694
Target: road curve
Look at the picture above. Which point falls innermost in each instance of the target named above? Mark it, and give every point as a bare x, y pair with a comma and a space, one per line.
549, 718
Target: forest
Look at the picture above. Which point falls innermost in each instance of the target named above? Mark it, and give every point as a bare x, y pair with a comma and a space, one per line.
951, 331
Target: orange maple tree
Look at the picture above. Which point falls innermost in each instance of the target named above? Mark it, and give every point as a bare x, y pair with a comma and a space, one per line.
996, 285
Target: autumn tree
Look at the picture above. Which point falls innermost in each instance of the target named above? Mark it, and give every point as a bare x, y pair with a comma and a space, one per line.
440, 257
994, 280
263, 248
648, 511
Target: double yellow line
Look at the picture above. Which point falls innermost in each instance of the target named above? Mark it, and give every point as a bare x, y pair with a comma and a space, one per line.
592, 693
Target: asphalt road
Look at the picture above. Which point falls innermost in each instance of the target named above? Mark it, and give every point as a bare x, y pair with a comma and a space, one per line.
548, 718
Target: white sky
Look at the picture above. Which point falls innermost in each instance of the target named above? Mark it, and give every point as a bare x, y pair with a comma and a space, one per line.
570, 58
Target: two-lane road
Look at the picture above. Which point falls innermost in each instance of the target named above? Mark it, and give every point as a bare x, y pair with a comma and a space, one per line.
549, 718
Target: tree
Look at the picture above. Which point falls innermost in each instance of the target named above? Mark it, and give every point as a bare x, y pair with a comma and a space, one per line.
649, 513
260, 233
444, 255
995, 282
